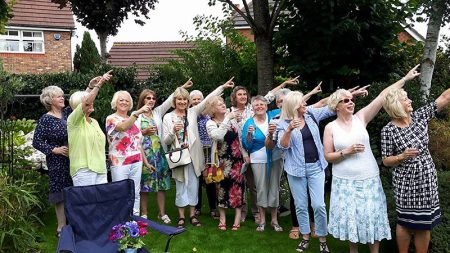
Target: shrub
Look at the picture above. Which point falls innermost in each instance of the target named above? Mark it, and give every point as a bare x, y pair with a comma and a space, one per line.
19, 210
440, 242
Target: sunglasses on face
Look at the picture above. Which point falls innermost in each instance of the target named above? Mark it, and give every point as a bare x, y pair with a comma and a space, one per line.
346, 100
150, 98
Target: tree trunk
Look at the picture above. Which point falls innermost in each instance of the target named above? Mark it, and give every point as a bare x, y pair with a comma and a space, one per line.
264, 62
263, 42
429, 52
103, 37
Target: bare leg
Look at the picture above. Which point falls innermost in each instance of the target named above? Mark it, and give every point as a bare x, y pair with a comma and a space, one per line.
237, 217
161, 200
422, 240
353, 247
262, 215
223, 217
144, 203
60, 216
403, 238
274, 215
375, 247
181, 212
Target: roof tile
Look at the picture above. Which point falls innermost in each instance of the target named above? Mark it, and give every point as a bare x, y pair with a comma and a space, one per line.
41, 13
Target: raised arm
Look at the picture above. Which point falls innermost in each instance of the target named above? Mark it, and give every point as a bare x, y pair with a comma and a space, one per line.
270, 96
369, 112
165, 106
93, 88
443, 100
217, 92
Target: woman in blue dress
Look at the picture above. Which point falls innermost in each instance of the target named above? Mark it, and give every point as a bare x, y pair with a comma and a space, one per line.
50, 138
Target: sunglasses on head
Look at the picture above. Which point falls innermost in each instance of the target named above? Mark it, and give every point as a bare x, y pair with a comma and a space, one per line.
346, 100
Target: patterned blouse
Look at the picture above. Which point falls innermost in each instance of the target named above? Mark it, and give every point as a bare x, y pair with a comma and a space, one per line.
124, 147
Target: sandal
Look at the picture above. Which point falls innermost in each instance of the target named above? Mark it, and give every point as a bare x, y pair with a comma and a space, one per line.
303, 245
222, 226
194, 221
294, 233
165, 218
58, 233
277, 227
260, 227
236, 227
215, 215
323, 248
180, 223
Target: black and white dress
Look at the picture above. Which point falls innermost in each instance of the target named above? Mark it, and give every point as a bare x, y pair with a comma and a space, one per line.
414, 180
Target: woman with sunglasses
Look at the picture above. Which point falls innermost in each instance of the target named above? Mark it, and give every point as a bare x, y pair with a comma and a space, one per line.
155, 172
358, 211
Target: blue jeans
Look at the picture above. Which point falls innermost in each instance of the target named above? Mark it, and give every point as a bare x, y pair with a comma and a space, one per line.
315, 181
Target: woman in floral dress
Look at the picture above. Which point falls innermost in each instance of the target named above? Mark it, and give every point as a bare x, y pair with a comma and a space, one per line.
224, 131
156, 177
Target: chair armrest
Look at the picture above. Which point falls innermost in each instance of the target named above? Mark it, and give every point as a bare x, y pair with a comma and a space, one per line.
163, 229
66, 242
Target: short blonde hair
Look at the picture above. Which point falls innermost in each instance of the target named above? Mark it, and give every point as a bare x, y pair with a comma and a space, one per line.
116, 97
48, 93
291, 102
76, 98
211, 104
181, 93
392, 103
334, 99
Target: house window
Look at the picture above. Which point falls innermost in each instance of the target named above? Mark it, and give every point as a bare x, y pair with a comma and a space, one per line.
22, 41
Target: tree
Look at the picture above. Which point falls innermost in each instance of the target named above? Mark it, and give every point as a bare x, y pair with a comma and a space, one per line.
77, 59
5, 13
262, 22
344, 43
88, 54
105, 17
439, 13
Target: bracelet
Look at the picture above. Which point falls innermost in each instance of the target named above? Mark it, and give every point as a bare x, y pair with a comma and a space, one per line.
96, 86
133, 114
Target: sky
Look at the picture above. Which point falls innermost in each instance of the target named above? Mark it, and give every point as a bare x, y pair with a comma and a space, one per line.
172, 16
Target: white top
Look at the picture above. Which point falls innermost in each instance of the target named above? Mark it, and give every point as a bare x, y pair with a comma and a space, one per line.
260, 156
357, 166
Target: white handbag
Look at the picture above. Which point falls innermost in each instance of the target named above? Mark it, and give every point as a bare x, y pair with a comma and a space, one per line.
178, 156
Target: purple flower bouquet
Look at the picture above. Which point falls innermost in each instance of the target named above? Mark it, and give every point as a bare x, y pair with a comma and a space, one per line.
129, 235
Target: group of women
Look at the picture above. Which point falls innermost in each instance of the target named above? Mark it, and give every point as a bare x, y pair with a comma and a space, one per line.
253, 145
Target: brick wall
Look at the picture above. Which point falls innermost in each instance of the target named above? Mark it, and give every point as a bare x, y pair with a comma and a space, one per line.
57, 57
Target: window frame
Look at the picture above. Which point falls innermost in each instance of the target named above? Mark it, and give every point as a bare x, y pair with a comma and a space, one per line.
22, 40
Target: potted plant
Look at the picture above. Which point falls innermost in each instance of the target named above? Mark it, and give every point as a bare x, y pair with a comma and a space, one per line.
129, 235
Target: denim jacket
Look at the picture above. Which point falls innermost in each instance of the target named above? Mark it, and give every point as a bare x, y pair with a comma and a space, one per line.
294, 154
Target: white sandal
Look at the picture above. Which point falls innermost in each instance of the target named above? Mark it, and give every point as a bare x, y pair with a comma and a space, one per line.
165, 218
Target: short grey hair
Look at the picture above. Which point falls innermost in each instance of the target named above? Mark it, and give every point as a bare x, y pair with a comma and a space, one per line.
116, 96
48, 93
76, 98
283, 92
196, 93
259, 98
334, 99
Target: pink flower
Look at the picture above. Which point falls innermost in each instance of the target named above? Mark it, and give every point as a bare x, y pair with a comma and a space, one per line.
235, 148
123, 144
235, 172
142, 231
235, 196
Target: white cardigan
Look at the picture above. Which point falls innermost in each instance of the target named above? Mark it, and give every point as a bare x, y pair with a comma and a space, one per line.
195, 146
218, 131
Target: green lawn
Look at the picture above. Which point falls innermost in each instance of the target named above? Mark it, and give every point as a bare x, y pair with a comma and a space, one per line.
209, 239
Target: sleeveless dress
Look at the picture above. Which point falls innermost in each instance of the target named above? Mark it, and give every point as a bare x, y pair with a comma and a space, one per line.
358, 211
157, 178
231, 190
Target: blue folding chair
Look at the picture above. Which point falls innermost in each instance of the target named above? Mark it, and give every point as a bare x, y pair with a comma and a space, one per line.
92, 211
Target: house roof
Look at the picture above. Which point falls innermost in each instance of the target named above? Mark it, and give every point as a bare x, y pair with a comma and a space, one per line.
413, 32
144, 54
42, 14
239, 21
